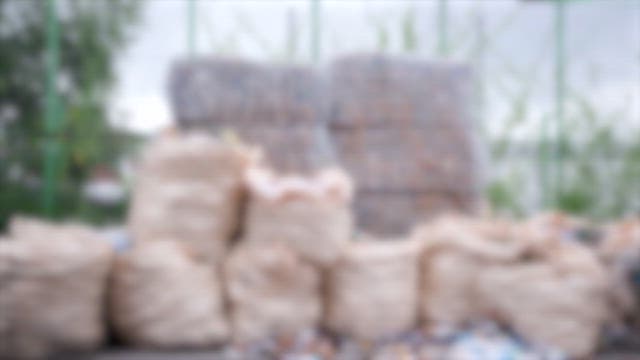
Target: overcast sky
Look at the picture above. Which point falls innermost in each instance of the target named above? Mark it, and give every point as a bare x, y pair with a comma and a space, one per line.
603, 47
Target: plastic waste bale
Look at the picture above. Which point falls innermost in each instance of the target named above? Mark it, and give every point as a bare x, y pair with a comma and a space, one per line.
309, 214
52, 285
161, 297
373, 289
272, 292
456, 250
189, 188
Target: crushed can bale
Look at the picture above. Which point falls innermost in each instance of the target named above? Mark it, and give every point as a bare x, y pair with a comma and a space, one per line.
53, 281
189, 188
272, 292
161, 297
373, 289
311, 215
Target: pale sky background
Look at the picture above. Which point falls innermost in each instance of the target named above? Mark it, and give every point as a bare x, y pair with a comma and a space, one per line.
603, 47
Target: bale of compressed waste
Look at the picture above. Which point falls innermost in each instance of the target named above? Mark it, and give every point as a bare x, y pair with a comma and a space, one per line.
272, 292
311, 215
275, 106
372, 290
189, 189
162, 297
528, 276
52, 287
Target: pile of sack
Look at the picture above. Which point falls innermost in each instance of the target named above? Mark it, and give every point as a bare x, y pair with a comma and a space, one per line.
227, 251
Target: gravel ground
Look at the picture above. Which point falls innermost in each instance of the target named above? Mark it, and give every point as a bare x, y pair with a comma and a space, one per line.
123, 354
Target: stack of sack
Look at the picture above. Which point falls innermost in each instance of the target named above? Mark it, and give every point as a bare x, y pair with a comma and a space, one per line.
167, 291
295, 229
52, 289
295, 266
550, 290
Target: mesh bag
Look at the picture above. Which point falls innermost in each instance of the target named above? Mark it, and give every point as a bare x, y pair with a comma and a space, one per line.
310, 214
373, 289
52, 285
272, 292
189, 188
162, 297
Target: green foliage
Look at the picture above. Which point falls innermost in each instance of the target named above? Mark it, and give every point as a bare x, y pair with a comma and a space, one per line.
91, 34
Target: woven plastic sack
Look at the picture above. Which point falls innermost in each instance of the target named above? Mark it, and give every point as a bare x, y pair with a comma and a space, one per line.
162, 297
456, 250
52, 285
620, 252
309, 214
528, 276
189, 188
558, 302
373, 289
272, 292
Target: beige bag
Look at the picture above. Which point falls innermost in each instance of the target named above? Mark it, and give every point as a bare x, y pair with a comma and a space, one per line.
52, 287
272, 292
161, 297
373, 289
526, 275
311, 215
189, 188
559, 302
457, 249
620, 252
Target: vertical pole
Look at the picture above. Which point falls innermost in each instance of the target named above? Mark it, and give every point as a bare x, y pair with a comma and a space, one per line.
52, 107
315, 30
560, 94
481, 45
443, 29
191, 25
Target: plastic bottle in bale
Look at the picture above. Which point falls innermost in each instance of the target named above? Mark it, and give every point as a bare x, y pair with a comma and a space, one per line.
53, 281
162, 297
373, 289
311, 215
272, 292
189, 189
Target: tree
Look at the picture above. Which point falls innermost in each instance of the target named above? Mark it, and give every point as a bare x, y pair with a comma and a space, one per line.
91, 35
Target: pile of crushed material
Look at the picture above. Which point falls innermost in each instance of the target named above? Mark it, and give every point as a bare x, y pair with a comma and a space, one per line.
225, 253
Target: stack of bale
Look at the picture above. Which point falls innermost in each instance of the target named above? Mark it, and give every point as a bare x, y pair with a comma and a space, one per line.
53, 280
274, 106
401, 127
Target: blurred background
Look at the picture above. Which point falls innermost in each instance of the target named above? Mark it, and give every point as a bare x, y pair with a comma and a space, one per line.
556, 88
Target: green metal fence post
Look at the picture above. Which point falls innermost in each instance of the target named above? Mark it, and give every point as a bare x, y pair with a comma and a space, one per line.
315, 30
191, 26
560, 92
443, 28
52, 110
